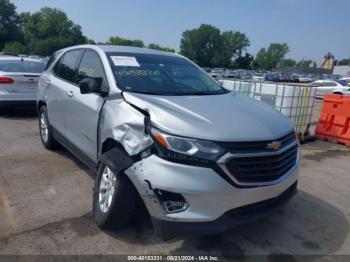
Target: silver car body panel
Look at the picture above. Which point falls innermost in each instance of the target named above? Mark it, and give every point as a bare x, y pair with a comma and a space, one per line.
227, 117
209, 196
230, 119
25, 86
123, 123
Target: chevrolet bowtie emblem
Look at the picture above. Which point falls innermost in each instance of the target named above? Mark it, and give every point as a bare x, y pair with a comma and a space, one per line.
275, 145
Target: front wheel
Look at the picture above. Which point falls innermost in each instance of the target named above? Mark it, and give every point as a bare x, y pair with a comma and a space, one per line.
114, 199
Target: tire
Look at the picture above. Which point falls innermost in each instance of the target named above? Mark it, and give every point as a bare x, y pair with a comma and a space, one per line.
45, 130
117, 214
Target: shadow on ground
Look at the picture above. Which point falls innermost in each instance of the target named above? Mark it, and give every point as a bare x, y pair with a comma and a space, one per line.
306, 226
19, 113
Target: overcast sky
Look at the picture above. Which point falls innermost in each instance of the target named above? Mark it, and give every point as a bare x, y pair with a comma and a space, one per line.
311, 28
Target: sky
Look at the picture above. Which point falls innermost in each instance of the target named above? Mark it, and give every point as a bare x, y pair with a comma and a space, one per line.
311, 28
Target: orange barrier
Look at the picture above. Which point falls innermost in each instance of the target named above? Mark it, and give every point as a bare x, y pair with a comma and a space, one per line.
334, 122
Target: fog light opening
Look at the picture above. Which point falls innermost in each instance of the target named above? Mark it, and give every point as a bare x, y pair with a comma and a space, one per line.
171, 202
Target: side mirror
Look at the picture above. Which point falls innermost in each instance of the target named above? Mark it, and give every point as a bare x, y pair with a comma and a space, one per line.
90, 85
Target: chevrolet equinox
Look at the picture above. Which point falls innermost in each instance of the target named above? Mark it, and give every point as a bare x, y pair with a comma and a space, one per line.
155, 126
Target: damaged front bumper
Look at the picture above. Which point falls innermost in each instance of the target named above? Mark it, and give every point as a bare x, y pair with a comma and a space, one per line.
208, 197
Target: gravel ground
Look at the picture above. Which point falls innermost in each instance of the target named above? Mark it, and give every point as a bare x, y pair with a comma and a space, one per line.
45, 207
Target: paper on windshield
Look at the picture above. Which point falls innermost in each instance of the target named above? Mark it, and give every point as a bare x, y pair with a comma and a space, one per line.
125, 61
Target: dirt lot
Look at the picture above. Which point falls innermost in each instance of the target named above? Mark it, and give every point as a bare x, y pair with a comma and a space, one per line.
45, 205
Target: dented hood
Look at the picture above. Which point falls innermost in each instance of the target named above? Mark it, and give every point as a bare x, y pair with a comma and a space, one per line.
226, 117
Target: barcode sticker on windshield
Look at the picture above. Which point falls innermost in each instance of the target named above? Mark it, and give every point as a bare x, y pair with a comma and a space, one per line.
125, 61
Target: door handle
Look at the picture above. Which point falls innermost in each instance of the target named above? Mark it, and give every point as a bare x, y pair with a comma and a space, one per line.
69, 93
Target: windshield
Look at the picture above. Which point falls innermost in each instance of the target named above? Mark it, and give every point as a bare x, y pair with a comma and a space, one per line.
21, 66
161, 75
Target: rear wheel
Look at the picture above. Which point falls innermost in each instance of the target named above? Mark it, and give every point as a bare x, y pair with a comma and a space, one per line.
45, 130
114, 199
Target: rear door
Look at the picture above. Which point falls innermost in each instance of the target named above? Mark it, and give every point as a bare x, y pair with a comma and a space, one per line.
82, 110
59, 83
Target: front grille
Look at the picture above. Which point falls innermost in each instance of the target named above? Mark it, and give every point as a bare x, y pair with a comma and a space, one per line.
262, 168
256, 146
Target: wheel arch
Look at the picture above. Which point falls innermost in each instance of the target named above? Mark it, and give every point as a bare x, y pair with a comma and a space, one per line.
39, 105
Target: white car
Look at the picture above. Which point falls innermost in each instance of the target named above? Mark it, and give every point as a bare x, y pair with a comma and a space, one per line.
328, 87
258, 77
19, 80
345, 79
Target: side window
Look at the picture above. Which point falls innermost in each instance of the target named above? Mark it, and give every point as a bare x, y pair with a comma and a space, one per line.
91, 67
67, 68
52, 59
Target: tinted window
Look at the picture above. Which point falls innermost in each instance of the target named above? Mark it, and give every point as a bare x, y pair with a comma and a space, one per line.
90, 66
161, 75
52, 59
67, 67
21, 66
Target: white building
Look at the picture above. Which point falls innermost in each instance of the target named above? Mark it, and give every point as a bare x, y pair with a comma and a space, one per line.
341, 70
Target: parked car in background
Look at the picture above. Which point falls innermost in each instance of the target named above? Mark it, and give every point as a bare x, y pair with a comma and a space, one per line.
258, 77
151, 126
312, 78
345, 80
284, 77
294, 78
246, 75
328, 87
273, 77
303, 78
216, 73
229, 74
19, 80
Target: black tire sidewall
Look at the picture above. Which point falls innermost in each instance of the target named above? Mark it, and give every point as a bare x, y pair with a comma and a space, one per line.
47, 143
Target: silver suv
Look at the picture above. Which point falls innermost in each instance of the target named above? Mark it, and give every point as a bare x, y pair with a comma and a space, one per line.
156, 127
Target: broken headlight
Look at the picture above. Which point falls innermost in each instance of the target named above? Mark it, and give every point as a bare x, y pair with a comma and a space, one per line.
182, 149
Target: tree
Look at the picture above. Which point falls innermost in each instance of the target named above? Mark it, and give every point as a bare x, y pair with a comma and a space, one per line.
48, 30
158, 47
116, 40
271, 57
244, 62
15, 47
9, 23
306, 63
232, 46
344, 62
208, 47
287, 63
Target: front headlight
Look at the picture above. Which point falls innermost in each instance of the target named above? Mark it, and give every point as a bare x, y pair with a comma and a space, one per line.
185, 149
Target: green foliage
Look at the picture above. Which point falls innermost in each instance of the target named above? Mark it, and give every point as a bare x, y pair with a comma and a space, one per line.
285, 63
305, 63
158, 47
208, 47
116, 40
9, 23
271, 57
15, 47
48, 30
344, 61
244, 62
